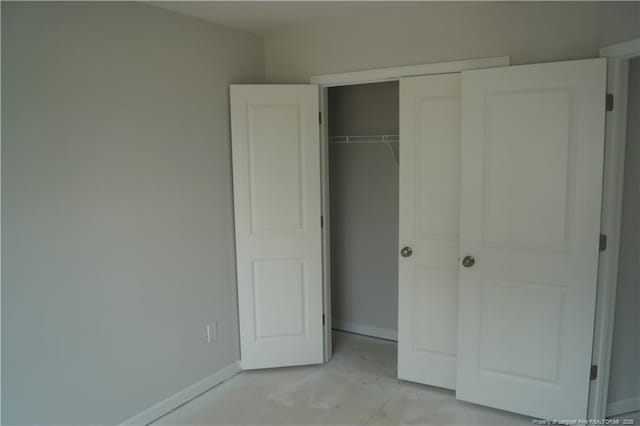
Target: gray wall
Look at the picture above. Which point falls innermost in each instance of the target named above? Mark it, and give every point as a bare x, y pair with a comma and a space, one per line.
364, 209
117, 217
425, 32
624, 382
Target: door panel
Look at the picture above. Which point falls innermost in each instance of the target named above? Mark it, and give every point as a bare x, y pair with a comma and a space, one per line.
276, 179
429, 223
532, 155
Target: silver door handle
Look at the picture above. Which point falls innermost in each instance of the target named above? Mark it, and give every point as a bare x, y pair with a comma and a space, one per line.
406, 252
468, 261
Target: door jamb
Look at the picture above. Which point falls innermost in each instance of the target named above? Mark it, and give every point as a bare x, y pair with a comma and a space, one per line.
618, 56
362, 77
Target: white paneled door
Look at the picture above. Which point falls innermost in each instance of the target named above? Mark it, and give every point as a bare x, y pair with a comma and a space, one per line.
276, 180
532, 159
429, 228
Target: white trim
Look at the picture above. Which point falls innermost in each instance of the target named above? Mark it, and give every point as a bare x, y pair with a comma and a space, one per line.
623, 407
185, 395
362, 77
615, 137
367, 330
1, 291
395, 73
625, 50
326, 225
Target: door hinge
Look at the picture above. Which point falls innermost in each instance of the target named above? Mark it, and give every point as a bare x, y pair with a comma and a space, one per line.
609, 102
593, 373
320, 117
322, 319
321, 221
602, 245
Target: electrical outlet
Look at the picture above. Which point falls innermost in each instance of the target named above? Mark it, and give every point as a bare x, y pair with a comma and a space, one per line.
212, 331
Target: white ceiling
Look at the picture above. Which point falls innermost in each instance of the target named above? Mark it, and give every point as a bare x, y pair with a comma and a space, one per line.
262, 17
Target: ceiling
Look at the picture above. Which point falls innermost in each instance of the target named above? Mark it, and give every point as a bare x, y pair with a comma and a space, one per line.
263, 17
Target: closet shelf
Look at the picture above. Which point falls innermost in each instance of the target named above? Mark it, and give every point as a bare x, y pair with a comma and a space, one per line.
365, 139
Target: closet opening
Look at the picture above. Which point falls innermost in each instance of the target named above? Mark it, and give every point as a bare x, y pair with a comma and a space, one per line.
363, 187
624, 372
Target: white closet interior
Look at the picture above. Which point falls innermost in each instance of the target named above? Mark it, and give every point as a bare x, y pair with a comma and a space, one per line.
363, 174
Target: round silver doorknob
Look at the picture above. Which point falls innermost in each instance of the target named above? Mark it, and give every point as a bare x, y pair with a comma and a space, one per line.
406, 252
468, 261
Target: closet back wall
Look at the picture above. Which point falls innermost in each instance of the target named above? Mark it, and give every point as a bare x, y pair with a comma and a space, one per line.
364, 210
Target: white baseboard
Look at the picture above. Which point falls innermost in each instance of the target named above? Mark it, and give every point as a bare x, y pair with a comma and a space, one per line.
367, 330
174, 401
630, 405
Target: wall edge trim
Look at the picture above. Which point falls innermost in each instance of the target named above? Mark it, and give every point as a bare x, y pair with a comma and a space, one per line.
367, 330
615, 408
183, 396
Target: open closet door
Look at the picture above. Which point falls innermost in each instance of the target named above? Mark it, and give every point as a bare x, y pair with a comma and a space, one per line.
429, 228
276, 183
532, 161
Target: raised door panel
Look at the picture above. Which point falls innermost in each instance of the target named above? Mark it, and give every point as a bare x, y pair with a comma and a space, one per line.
527, 168
276, 192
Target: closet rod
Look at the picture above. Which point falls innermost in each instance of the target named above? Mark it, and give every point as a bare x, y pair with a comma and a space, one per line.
365, 139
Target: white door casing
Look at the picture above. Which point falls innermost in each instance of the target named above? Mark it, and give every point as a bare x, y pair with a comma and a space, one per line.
276, 182
532, 160
429, 224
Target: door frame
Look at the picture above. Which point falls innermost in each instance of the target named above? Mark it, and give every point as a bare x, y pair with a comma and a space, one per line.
325, 81
618, 56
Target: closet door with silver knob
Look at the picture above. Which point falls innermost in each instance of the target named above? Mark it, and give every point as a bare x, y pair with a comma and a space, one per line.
531, 185
429, 221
